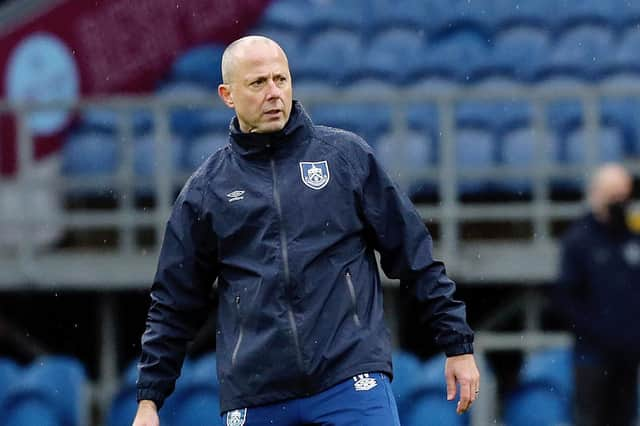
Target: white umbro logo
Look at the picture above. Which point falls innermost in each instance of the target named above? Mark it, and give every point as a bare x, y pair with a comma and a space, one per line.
235, 196
362, 382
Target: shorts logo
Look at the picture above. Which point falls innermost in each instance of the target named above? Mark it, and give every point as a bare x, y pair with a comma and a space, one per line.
315, 174
362, 382
237, 417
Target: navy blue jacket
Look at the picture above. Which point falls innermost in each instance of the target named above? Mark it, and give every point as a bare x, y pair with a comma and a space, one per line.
288, 223
598, 289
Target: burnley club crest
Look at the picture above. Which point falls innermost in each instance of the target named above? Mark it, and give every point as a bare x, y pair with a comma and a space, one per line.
315, 174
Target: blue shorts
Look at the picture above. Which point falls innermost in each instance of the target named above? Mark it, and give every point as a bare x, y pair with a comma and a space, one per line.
364, 400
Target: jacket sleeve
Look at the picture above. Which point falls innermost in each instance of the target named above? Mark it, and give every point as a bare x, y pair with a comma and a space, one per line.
179, 297
398, 233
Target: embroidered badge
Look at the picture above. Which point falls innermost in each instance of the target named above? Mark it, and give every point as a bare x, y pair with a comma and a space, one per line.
315, 174
237, 417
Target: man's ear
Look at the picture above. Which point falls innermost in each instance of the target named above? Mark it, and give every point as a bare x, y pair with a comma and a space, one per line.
224, 91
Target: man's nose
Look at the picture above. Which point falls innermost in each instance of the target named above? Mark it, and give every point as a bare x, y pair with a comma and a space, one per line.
273, 91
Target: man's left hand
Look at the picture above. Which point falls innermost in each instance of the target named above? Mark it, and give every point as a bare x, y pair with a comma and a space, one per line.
462, 370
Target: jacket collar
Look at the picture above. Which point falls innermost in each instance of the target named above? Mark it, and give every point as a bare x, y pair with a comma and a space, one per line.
298, 127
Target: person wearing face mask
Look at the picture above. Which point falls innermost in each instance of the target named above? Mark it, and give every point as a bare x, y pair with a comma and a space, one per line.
597, 293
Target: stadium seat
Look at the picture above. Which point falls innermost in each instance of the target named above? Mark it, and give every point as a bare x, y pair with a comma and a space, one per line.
407, 381
519, 151
475, 151
520, 52
52, 391
577, 12
393, 55
406, 156
99, 120
552, 366
431, 408
287, 14
200, 65
334, 14
498, 115
609, 146
585, 51
404, 14
334, 56
461, 55
510, 13
9, 371
447, 15
185, 115
145, 161
90, 154
625, 58
124, 405
367, 120
201, 148
535, 405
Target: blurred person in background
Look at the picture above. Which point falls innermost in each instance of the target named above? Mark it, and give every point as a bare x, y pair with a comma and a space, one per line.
598, 294
287, 217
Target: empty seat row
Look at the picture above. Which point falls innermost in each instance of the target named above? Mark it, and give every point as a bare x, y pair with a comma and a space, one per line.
440, 15
587, 51
51, 391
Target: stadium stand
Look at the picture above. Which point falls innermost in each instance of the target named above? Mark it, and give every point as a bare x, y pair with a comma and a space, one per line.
524, 91
52, 390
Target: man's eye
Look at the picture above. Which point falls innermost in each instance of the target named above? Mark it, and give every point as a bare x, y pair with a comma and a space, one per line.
257, 83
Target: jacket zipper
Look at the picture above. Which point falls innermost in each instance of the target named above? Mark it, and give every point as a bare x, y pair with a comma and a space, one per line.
352, 292
236, 348
285, 263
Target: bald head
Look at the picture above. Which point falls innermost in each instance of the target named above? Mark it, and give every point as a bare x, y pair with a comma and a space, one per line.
611, 183
244, 49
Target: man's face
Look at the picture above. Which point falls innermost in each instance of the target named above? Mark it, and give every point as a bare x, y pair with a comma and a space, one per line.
260, 88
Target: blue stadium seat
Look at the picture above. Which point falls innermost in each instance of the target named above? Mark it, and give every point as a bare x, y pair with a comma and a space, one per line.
609, 146
576, 12
405, 14
625, 58
431, 408
196, 393
425, 118
90, 154
394, 55
201, 148
475, 150
347, 15
145, 160
622, 113
287, 14
367, 120
552, 366
535, 404
447, 15
334, 56
406, 156
497, 115
585, 51
9, 371
183, 118
407, 383
290, 41
510, 13
429, 405
520, 52
200, 65
519, 151
51, 391
461, 55
99, 120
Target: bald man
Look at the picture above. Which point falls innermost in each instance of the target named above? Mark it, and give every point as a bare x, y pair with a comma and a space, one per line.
598, 293
287, 218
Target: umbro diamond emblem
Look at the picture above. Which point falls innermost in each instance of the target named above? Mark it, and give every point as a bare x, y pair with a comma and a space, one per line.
362, 382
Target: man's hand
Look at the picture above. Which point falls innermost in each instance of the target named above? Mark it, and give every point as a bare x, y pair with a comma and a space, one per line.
147, 414
461, 370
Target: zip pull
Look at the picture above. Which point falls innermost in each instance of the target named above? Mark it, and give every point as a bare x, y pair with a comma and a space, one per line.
237, 300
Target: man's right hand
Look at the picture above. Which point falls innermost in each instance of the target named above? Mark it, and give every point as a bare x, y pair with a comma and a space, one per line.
147, 414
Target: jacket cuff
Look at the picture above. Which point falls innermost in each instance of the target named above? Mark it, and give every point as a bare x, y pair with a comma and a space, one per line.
152, 395
458, 349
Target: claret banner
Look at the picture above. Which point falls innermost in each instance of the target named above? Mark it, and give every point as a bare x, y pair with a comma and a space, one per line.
94, 47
